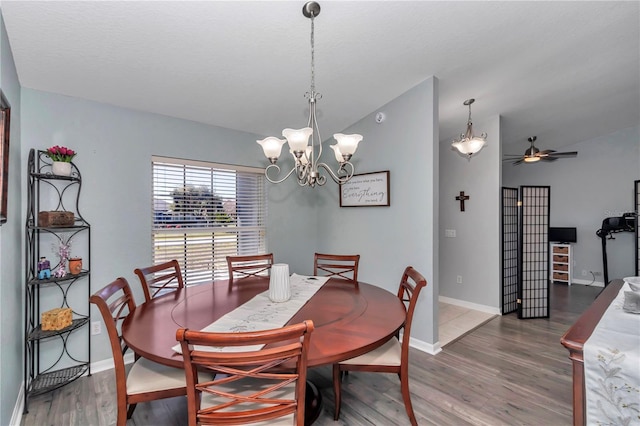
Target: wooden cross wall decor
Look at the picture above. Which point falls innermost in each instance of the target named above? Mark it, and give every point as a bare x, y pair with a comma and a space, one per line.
462, 199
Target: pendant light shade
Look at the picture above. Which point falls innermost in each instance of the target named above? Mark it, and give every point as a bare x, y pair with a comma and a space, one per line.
468, 144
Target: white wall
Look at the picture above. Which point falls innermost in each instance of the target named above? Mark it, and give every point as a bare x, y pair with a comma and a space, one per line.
391, 238
596, 184
474, 254
114, 147
11, 246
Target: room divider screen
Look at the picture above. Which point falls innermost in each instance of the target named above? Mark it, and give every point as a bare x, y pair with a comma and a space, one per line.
525, 251
534, 248
636, 200
510, 261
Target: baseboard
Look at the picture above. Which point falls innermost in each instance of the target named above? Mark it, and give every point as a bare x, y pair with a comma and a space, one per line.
107, 364
16, 417
431, 349
588, 282
476, 307
96, 367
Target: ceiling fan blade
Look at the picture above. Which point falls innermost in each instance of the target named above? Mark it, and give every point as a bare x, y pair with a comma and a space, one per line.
548, 158
545, 153
565, 154
515, 163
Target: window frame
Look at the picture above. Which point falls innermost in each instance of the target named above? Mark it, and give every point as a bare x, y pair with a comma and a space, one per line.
233, 238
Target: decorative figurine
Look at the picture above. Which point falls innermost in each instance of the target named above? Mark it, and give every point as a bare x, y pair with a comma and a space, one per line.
44, 269
63, 252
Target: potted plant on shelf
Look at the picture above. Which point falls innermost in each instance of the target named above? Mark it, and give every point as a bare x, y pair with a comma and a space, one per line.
61, 157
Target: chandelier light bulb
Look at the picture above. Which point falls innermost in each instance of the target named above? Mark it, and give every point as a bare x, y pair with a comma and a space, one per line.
298, 139
347, 143
272, 147
337, 153
304, 155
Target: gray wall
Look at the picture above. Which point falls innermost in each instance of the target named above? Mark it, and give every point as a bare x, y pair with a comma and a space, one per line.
596, 184
405, 233
11, 247
474, 254
114, 147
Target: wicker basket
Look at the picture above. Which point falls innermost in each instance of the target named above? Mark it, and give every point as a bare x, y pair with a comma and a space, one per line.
55, 219
56, 319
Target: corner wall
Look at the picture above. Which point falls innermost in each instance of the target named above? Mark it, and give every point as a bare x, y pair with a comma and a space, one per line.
474, 253
390, 238
11, 247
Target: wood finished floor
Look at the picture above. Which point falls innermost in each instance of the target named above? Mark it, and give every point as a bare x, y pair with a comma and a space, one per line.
506, 372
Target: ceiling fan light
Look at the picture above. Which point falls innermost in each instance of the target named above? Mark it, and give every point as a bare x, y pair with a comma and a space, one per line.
531, 159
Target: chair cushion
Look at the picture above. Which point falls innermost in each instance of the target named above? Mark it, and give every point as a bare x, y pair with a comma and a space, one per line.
388, 354
248, 386
148, 376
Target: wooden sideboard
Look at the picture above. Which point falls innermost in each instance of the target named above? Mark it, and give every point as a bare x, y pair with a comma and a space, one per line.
574, 340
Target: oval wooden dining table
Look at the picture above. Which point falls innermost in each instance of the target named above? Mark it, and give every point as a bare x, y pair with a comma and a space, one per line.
350, 320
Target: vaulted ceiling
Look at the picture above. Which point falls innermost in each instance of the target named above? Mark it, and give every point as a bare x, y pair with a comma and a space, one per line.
564, 71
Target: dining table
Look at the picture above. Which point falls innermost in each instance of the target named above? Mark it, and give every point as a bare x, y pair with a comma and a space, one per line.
350, 319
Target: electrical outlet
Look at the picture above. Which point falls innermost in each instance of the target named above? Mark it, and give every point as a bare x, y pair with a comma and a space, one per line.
96, 328
450, 233
584, 272
459, 279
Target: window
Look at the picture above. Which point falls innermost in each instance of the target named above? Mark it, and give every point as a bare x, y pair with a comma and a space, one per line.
204, 212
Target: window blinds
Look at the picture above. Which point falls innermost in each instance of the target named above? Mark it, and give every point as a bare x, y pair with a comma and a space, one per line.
203, 212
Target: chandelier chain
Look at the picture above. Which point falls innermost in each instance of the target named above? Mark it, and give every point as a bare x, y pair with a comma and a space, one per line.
313, 67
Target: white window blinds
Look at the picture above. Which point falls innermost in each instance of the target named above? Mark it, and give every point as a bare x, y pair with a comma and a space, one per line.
204, 212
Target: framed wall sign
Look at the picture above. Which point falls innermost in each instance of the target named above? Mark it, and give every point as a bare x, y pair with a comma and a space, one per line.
5, 116
366, 190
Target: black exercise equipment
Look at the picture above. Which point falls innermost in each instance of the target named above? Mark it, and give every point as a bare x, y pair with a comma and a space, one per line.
610, 226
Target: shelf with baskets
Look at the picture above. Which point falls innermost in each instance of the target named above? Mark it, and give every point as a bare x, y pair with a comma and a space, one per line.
57, 332
561, 270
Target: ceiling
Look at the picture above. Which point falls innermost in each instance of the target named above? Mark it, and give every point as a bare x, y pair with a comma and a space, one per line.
564, 71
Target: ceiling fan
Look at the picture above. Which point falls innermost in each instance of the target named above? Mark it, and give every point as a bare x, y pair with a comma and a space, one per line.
533, 154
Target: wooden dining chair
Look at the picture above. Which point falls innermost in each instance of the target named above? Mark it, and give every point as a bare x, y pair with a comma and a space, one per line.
393, 356
249, 384
336, 265
146, 380
249, 266
160, 279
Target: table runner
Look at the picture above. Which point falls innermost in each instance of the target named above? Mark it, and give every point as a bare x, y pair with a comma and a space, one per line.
260, 313
612, 367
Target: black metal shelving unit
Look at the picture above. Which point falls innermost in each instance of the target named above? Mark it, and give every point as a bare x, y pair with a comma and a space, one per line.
65, 357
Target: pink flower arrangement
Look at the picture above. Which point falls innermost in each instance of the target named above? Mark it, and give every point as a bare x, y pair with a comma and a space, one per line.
61, 153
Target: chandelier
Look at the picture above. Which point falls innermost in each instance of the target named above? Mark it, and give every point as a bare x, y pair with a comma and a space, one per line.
468, 144
305, 145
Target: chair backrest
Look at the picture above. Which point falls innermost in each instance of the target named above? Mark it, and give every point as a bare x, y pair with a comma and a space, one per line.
251, 385
115, 302
249, 266
336, 265
160, 279
411, 284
